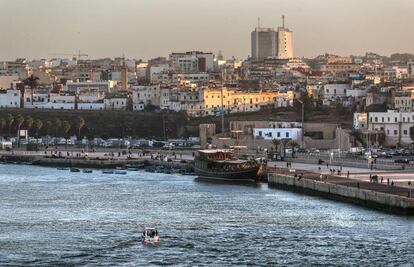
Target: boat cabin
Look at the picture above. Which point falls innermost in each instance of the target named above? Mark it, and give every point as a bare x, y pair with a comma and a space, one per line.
216, 154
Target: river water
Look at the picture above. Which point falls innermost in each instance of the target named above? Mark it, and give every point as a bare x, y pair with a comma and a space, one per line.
52, 217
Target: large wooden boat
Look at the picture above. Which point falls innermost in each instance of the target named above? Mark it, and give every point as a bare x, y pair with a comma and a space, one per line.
222, 164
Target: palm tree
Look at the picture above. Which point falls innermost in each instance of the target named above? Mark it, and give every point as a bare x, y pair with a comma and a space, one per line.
294, 145
57, 125
20, 121
81, 123
66, 127
276, 143
3, 123
49, 129
38, 125
32, 82
29, 123
10, 121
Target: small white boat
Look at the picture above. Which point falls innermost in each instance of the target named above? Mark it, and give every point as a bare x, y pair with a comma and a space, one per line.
120, 172
108, 171
150, 235
87, 171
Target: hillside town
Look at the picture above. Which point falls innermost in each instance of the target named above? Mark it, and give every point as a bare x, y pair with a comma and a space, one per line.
377, 89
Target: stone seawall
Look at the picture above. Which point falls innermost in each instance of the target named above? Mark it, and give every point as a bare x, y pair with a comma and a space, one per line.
368, 198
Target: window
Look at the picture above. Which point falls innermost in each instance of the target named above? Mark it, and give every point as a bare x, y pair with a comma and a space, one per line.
376, 119
278, 134
395, 132
287, 135
395, 119
405, 132
382, 119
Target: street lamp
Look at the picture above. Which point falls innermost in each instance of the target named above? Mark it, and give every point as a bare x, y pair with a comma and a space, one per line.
303, 125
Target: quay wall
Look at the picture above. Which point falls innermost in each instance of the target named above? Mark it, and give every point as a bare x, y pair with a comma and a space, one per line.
91, 162
368, 198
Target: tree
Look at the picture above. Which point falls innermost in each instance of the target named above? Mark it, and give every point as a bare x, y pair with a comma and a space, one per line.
10, 121
294, 145
49, 127
66, 128
81, 123
412, 133
3, 123
32, 81
38, 125
20, 121
276, 143
29, 122
57, 125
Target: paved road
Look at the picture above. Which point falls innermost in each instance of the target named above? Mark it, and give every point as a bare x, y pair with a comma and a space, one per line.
362, 174
356, 183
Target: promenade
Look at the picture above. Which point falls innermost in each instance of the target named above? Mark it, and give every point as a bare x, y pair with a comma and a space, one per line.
388, 195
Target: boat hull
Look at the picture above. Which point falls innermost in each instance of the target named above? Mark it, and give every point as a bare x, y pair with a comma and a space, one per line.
240, 175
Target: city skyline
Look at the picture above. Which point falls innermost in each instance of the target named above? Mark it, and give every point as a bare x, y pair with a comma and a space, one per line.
147, 29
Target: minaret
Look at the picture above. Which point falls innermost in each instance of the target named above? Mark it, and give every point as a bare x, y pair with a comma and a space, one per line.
124, 75
283, 21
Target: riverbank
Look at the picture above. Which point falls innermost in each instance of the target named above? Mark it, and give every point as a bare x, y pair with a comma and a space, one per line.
385, 197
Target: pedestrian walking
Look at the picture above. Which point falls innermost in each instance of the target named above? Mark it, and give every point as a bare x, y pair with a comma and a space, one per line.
347, 175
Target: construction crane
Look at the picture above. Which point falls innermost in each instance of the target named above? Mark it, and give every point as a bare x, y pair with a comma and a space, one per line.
77, 56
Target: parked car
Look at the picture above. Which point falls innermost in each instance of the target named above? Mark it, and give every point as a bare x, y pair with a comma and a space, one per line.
406, 161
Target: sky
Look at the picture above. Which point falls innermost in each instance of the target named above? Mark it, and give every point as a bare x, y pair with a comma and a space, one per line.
144, 29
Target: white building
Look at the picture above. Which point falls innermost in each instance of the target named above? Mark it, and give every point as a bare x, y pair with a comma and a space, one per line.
155, 70
395, 73
175, 78
403, 101
285, 43
145, 95
294, 134
116, 103
9, 99
90, 106
192, 62
335, 91
103, 86
395, 126
410, 68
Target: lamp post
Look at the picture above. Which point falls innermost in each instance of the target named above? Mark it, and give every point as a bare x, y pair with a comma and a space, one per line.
303, 123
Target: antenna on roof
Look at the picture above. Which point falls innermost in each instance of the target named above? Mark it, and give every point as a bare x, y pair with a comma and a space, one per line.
258, 22
283, 21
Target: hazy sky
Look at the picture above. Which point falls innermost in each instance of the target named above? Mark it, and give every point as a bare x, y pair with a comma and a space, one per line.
150, 28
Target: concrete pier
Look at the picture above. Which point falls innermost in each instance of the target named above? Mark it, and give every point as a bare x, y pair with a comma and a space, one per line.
95, 162
372, 195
